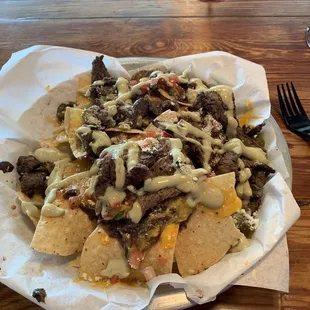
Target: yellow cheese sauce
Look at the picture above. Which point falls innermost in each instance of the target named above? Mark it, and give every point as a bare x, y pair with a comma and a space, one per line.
83, 81
248, 114
232, 203
104, 238
168, 236
52, 120
48, 142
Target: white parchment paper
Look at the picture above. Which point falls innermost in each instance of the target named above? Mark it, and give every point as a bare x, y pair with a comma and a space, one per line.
24, 104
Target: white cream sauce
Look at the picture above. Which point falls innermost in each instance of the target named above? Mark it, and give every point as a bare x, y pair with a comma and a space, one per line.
132, 160
243, 188
199, 191
100, 139
135, 214
191, 94
30, 209
122, 86
243, 244
183, 128
195, 116
254, 153
113, 195
117, 266
49, 155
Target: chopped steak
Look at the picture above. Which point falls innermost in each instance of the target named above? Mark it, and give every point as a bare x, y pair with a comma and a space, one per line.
140, 74
137, 175
163, 166
254, 205
33, 183
141, 107
99, 70
211, 103
71, 193
39, 294
149, 158
252, 131
158, 107
195, 153
27, 164
97, 117
150, 200
228, 163
86, 139
106, 175
247, 140
257, 182
257, 165
103, 92
89, 211
6, 166
60, 114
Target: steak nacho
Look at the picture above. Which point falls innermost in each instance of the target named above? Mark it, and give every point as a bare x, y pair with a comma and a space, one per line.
145, 176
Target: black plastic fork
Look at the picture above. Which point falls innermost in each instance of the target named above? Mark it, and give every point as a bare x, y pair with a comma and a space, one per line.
293, 113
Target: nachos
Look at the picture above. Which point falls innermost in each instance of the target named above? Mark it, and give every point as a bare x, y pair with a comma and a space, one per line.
148, 174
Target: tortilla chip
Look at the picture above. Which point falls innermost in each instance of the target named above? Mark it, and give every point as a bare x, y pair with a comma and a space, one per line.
36, 199
74, 120
97, 251
84, 83
167, 116
160, 256
62, 235
209, 234
76, 263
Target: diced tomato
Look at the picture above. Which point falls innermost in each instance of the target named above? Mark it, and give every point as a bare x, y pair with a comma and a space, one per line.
145, 143
114, 203
114, 279
133, 82
162, 260
135, 257
174, 78
144, 89
166, 135
74, 202
150, 134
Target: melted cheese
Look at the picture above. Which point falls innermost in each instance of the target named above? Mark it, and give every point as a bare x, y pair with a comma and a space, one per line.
135, 214
168, 236
248, 114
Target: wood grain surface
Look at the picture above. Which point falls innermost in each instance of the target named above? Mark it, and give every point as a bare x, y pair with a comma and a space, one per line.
271, 33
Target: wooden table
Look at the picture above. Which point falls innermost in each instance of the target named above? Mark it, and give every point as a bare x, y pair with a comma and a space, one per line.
271, 33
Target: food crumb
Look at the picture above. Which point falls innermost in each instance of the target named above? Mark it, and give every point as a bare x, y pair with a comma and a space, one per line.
48, 88
39, 294
4, 258
13, 207
6, 166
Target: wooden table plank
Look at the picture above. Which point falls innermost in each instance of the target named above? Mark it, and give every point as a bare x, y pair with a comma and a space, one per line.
276, 43
44, 9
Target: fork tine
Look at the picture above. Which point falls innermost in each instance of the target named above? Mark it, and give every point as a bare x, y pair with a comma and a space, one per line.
293, 104
282, 105
301, 109
288, 105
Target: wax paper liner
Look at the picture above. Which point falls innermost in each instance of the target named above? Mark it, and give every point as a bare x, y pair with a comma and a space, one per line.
26, 101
